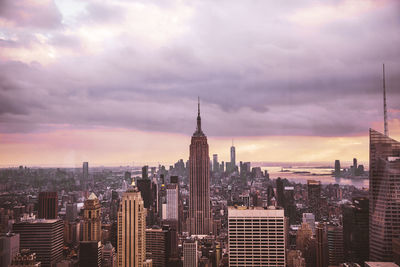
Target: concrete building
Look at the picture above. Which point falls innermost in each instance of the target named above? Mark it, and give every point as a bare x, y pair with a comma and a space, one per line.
256, 236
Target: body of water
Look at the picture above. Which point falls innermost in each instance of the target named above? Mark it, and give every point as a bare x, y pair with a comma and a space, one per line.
299, 174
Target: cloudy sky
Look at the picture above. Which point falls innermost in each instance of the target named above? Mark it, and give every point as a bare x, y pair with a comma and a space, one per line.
116, 82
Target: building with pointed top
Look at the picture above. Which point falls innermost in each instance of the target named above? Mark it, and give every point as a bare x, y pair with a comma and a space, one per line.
199, 176
92, 219
384, 199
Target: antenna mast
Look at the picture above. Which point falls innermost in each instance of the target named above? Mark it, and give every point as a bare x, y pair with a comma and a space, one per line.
384, 104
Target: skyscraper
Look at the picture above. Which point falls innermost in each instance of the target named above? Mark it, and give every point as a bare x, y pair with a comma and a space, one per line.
9, 247
92, 219
384, 200
321, 245
355, 229
131, 229
43, 237
233, 157
199, 176
337, 168
48, 205
256, 236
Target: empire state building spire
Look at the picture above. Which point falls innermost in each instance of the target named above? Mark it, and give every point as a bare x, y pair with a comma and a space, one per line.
198, 131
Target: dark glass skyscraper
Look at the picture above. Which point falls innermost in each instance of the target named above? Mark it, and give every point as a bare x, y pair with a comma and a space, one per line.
384, 200
199, 164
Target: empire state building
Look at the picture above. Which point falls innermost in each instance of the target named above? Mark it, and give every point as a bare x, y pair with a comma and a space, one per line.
199, 164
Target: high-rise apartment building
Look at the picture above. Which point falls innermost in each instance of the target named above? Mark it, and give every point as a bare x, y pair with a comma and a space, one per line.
384, 200
43, 237
190, 258
48, 205
256, 236
92, 219
131, 240
199, 176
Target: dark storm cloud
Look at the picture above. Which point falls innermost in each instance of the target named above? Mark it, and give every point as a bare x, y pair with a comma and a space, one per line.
257, 73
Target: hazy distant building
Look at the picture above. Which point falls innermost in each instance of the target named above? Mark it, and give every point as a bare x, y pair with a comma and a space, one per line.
9, 247
215, 163
199, 176
337, 168
131, 229
85, 168
48, 205
92, 219
384, 204
256, 236
233, 158
43, 237
190, 258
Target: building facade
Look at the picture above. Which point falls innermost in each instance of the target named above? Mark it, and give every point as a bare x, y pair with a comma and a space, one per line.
256, 237
384, 200
43, 237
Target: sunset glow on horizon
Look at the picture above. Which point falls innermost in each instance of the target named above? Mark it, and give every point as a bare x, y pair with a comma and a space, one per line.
117, 83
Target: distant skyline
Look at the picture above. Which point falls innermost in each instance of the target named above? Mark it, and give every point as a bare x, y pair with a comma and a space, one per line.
114, 83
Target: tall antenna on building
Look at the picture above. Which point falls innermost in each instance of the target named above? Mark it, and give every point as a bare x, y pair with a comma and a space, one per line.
384, 104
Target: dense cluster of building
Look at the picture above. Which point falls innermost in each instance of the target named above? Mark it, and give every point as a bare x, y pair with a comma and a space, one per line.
200, 213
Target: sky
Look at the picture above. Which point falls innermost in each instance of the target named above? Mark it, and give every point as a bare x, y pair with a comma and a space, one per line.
116, 82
